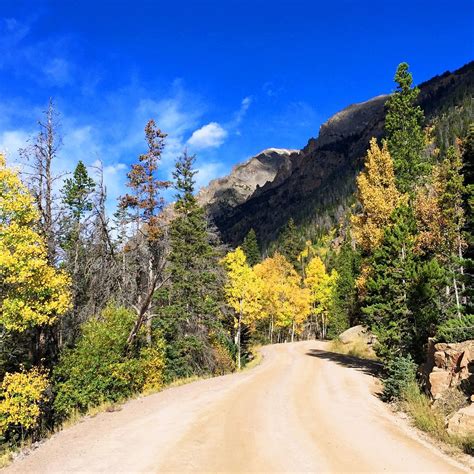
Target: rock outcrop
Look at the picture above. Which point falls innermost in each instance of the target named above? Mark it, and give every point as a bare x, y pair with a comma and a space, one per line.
449, 377
449, 366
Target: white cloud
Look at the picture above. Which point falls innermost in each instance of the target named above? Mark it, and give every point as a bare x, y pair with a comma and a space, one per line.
246, 101
244, 106
58, 71
211, 135
11, 141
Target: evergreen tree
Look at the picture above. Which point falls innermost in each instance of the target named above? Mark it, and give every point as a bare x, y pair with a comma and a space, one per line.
77, 192
195, 294
290, 243
386, 303
77, 198
468, 171
251, 248
428, 303
405, 137
343, 312
144, 206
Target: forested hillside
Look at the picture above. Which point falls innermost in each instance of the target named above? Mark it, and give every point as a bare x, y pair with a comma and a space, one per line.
318, 188
96, 308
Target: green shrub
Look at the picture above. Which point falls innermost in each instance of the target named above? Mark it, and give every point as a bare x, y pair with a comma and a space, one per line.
400, 373
100, 369
456, 329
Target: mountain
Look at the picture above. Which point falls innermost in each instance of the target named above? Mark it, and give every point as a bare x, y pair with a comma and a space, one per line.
315, 185
224, 194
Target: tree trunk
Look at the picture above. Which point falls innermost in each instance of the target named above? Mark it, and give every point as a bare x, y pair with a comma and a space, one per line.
237, 338
293, 331
458, 305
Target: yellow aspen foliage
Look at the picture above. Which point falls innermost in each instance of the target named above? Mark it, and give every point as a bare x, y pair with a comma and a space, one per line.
32, 292
378, 196
438, 209
286, 303
243, 292
21, 396
429, 220
322, 286
243, 289
361, 281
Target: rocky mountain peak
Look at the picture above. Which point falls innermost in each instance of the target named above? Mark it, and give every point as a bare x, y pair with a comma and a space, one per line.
234, 189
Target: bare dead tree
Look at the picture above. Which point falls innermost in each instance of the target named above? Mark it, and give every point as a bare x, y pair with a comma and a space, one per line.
40, 156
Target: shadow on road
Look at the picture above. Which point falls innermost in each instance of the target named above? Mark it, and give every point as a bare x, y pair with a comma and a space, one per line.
366, 366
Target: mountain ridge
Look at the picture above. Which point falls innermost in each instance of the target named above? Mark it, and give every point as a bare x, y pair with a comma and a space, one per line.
318, 182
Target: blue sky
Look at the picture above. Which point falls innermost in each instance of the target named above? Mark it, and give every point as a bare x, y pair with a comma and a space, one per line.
225, 78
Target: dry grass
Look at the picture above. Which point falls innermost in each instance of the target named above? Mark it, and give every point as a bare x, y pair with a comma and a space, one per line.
357, 348
6, 457
431, 419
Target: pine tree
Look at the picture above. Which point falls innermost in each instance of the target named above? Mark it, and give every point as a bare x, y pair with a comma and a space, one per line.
405, 137
251, 248
144, 205
428, 303
344, 308
451, 184
468, 197
77, 192
77, 198
388, 286
195, 294
290, 243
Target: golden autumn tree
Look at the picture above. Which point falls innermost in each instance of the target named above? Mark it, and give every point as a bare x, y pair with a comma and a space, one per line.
322, 286
32, 292
378, 195
22, 394
285, 303
243, 292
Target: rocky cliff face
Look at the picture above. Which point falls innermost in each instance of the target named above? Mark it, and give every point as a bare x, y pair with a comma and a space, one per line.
316, 184
224, 194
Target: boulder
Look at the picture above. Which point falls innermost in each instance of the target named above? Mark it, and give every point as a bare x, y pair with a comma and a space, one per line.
356, 334
462, 422
440, 381
440, 359
448, 366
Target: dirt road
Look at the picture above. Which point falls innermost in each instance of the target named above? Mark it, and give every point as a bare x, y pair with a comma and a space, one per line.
302, 410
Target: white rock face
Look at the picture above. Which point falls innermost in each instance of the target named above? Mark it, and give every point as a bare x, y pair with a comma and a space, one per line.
243, 180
